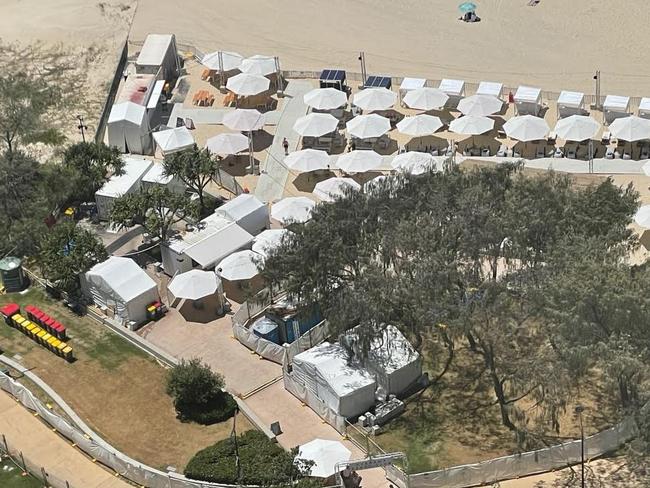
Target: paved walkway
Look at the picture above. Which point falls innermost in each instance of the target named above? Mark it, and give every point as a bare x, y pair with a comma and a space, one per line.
273, 174
39, 444
601, 166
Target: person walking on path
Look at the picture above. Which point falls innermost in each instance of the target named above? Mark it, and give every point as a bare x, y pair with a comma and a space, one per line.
285, 145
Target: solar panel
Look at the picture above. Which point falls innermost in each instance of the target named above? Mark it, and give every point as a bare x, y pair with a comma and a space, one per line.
332, 75
378, 82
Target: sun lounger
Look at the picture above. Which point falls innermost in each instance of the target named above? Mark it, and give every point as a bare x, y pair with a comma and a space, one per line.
645, 153
571, 153
609, 154
540, 152
503, 150
617, 155
626, 155
485, 152
558, 153
434, 151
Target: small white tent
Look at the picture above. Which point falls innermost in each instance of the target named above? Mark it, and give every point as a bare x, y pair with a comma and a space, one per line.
345, 389
131, 180
120, 285
128, 128
159, 52
173, 140
247, 211
156, 177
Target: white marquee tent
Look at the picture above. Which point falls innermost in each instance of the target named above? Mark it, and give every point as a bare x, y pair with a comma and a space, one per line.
174, 140
325, 455
247, 211
159, 52
128, 128
122, 286
135, 168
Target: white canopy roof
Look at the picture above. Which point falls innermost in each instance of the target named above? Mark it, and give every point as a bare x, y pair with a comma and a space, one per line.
372, 184
156, 175
528, 94
526, 128
129, 111
576, 128
412, 83
208, 247
333, 188
122, 276
173, 140
644, 104
425, 98
419, 125
325, 98
471, 125
307, 160
246, 84
359, 161
616, 103
258, 65
489, 88
194, 284
154, 49
452, 87
365, 126
414, 162
241, 265
134, 169
375, 99
229, 60
480, 105
245, 119
241, 206
570, 99
642, 216
268, 240
315, 125
227, 143
292, 209
631, 128
325, 455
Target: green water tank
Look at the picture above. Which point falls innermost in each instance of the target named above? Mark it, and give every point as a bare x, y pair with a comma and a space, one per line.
11, 274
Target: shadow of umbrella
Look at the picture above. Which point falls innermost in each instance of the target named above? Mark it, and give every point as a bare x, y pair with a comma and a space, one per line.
426, 143
200, 311
306, 182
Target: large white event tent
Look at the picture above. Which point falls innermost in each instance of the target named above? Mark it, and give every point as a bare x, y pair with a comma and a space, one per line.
576, 128
247, 211
135, 168
480, 105
315, 125
471, 125
375, 99
359, 161
630, 128
426, 98
325, 98
227, 144
324, 456
229, 60
332, 188
194, 285
307, 160
120, 285
246, 84
419, 125
244, 119
173, 140
366, 126
347, 390
159, 54
292, 209
413, 162
258, 65
269, 240
128, 128
241, 265
526, 128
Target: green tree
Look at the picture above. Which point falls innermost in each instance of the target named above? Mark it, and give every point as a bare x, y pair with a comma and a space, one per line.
90, 165
66, 252
195, 167
156, 208
198, 393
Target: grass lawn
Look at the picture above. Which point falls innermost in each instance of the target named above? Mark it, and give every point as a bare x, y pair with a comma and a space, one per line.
12, 477
118, 390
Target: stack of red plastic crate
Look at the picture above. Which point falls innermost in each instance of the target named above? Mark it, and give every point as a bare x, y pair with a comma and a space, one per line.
36, 315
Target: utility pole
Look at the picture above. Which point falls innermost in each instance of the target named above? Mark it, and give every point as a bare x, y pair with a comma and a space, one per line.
579, 409
597, 79
82, 127
362, 62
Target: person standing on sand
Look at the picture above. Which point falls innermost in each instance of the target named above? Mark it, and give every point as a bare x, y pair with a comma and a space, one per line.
285, 145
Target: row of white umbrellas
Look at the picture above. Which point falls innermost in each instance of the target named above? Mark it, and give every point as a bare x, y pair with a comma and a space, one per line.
255, 65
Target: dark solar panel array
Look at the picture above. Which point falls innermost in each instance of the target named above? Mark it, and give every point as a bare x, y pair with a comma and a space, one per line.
378, 82
332, 75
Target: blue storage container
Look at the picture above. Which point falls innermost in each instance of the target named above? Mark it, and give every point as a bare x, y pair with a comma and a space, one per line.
265, 328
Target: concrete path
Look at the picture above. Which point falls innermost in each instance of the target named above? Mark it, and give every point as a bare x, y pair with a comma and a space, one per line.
41, 446
565, 165
273, 174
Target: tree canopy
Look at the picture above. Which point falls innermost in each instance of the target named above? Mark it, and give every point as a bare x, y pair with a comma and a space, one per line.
90, 165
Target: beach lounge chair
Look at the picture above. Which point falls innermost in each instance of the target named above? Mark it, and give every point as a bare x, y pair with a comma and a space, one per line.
485, 152
571, 153
645, 153
626, 154
503, 150
540, 152
617, 155
558, 153
609, 153
516, 153
606, 137
434, 151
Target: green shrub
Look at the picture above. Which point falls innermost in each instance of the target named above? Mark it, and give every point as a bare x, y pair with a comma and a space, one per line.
197, 393
261, 461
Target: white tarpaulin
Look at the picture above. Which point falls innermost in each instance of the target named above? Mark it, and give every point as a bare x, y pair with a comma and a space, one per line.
128, 128
194, 285
174, 140
325, 98
324, 370
325, 455
247, 211
359, 161
292, 209
419, 125
122, 286
332, 188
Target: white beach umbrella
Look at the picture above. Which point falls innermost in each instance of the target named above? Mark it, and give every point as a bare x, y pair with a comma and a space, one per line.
419, 125
227, 143
241, 265
315, 125
526, 128
245, 119
307, 160
325, 455
364, 126
426, 98
258, 65
292, 209
630, 128
576, 128
269, 240
333, 188
370, 185
325, 98
414, 162
375, 99
480, 105
471, 125
246, 84
174, 140
229, 60
194, 284
359, 161
642, 216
